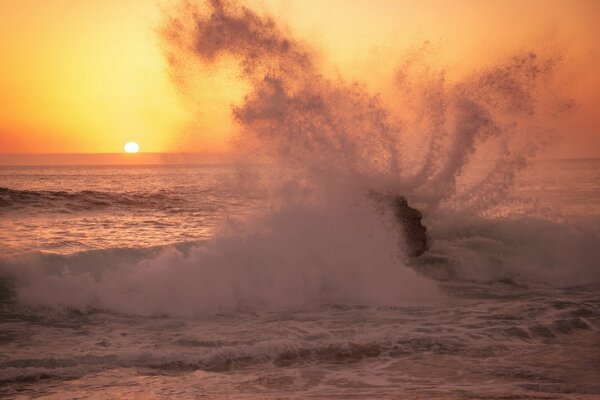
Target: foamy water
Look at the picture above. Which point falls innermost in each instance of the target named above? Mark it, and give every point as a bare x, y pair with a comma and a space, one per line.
507, 306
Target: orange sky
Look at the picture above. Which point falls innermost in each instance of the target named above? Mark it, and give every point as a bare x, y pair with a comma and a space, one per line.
82, 76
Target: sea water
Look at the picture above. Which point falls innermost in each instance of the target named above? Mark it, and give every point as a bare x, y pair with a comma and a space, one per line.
135, 282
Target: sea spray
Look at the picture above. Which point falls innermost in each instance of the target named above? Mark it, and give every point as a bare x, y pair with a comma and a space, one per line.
293, 258
328, 138
323, 133
328, 144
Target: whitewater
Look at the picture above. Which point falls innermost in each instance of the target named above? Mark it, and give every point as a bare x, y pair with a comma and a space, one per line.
112, 286
280, 274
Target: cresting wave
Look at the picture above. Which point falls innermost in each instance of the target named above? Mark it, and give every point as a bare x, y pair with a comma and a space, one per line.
86, 200
295, 266
288, 265
452, 148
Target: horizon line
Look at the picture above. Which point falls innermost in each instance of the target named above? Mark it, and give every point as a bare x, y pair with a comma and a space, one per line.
149, 158
221, 153
111, 153
121, 158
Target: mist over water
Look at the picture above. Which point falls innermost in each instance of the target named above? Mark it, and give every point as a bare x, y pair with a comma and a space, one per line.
325, 132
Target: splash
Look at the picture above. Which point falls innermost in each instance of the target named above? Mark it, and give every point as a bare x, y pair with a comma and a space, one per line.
295, 258
453, 148
324, 133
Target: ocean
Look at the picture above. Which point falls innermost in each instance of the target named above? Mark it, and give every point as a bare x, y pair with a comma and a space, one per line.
199, 281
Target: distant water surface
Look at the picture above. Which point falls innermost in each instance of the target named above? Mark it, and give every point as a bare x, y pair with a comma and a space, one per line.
65, 209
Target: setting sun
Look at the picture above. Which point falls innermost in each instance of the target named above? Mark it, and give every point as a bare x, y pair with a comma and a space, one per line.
131, 147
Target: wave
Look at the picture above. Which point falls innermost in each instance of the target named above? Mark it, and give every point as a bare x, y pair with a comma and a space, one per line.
521, 250
12, 200
243, 267
452, 148
307, 259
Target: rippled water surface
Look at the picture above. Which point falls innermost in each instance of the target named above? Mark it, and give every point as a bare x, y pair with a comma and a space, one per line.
69, 209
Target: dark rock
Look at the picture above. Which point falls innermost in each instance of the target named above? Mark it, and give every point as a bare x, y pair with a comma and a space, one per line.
408, 219
415, 234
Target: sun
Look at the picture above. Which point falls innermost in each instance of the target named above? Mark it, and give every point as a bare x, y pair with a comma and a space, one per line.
131, 147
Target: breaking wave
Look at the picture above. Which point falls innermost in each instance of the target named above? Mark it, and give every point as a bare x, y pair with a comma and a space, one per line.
453, 148
305, 264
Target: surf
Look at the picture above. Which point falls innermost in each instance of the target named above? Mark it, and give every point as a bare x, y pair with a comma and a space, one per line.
328, 144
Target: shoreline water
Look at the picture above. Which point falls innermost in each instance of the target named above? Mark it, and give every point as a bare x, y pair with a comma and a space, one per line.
101, 303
